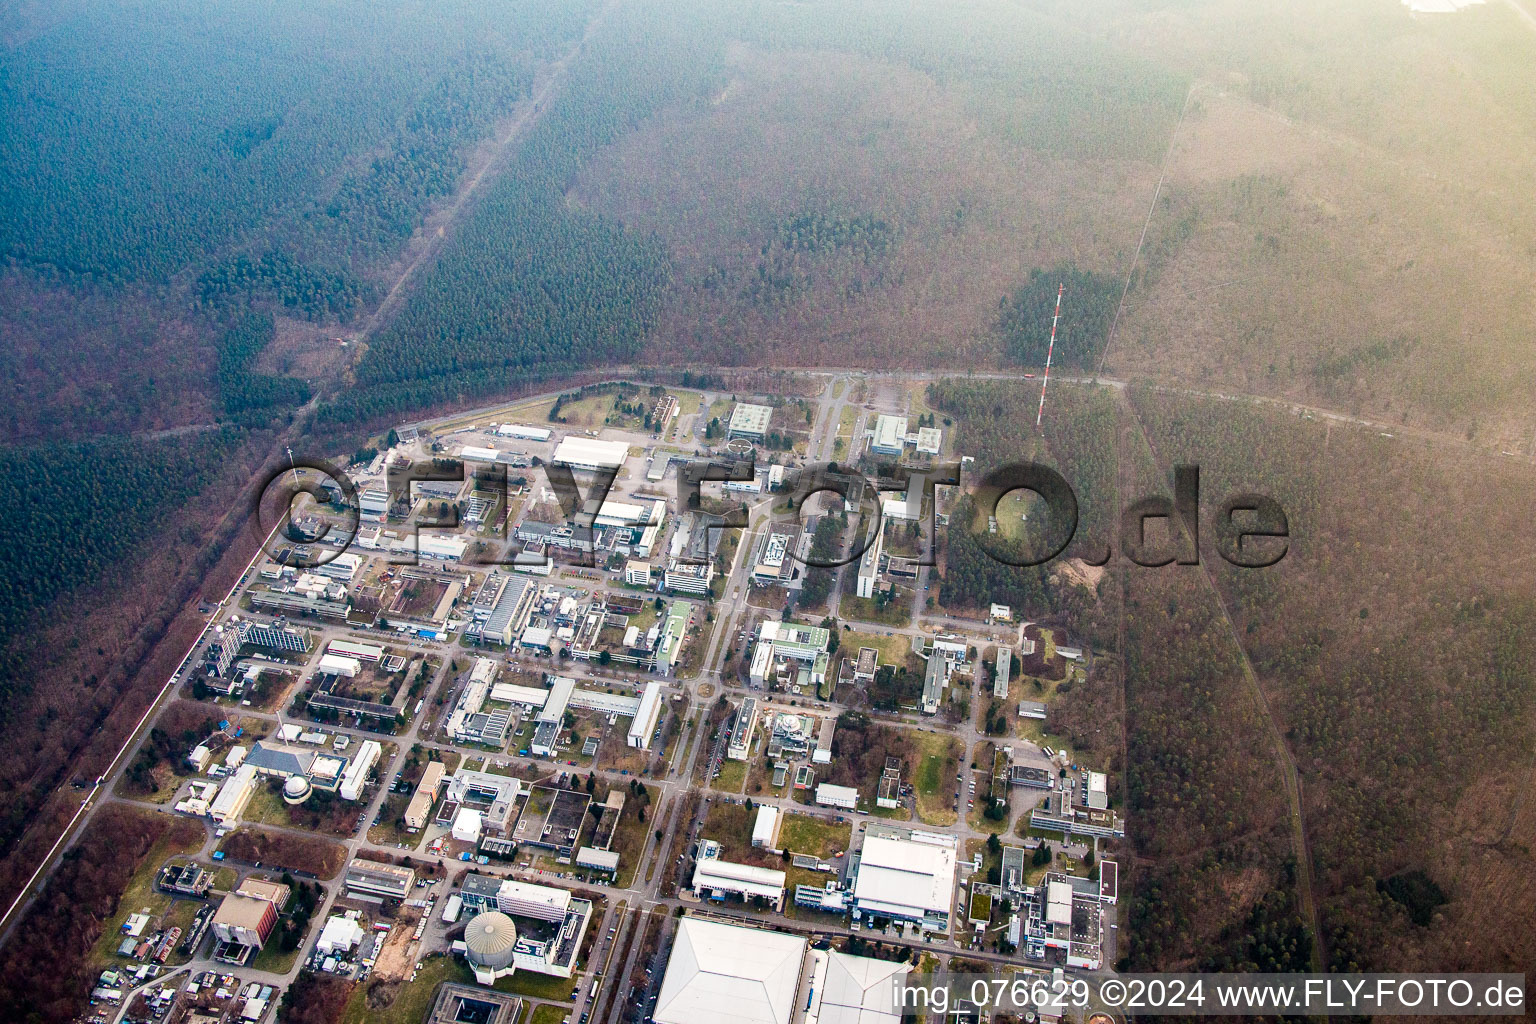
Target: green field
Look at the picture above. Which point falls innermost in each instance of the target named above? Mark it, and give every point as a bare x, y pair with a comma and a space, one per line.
939, 757
733, 775
819, 837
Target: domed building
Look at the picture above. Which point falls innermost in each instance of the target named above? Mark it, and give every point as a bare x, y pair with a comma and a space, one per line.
489, 941
296, 790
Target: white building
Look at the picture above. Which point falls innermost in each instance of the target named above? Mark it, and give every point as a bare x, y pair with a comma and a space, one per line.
338, 665
844, 797
233, 796
750, 421
725, 974
734, 974
740, 743
466, 825
890, 435
1097, 793
356, 779
590, 453
448, 549
644, 722
341, 934
765, 830
855, 989
637, 573
716, 879
521, 432
869, 564
906, 877
687, 578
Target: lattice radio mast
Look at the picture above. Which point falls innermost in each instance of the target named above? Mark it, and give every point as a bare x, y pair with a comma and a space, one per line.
1051, 348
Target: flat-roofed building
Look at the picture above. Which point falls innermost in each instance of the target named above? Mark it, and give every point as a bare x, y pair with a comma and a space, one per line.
906, 876
843, 797
233, 796
717, 879
790, 654
419, 811
740, 743
644, 722
729, 974
688, 578
1001, 677
765, 829
890, 435
372, 878
598, 860
869, 565
591, 454
750, 421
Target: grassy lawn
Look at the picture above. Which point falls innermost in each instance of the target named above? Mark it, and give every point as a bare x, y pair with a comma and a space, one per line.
273, 959
413, 998
537, 986
803, 833
939, 754
978, 820
893, 649
733, 775
544, 1013
896, 612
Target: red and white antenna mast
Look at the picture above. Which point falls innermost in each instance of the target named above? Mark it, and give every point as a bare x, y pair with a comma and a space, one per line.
1048, 351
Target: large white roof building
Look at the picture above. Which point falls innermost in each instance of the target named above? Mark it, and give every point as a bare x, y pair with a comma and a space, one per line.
858, 990
723, 974
590, 453
907, 878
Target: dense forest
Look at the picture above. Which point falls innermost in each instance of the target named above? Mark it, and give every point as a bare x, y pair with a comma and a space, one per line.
242, 391
223, 129
530, 283
75, 513
1403, 676
1088, 302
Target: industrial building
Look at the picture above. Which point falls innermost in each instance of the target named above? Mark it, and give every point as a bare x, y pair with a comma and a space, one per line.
740, 744
906, 876
510, 613
750, 421
717, 879
234, 794
591, 454
372, 878
790, 655
735, 974
644, 723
